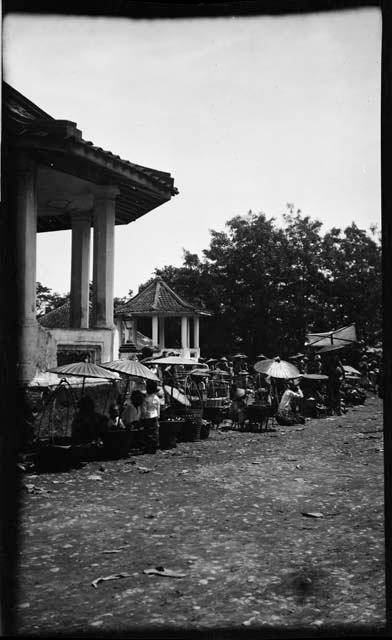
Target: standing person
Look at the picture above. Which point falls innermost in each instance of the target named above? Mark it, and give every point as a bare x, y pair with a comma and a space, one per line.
287, 414
364, 369
336, 376
151, 411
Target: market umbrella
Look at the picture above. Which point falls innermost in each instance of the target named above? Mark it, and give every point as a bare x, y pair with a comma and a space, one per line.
338, 337
297, 355
172, 360
262, 356
240, 355
132, 368
313, 376
200, 372
84, 370
351, 371
277, 368
177, 395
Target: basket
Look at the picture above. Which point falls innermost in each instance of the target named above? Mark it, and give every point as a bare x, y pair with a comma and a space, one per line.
168, 432
55, 454
190, 431
117, 443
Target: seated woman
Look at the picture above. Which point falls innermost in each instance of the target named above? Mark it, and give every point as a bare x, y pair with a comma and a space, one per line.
88, 425
287, 414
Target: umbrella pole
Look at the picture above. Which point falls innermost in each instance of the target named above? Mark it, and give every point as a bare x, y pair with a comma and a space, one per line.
84, 379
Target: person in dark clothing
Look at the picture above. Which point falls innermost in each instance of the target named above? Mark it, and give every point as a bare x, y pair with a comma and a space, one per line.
88, 425
336, 376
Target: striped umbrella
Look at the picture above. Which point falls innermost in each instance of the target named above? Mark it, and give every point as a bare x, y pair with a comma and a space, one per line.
277, 368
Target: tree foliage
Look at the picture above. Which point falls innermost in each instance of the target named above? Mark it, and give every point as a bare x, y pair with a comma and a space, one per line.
266, 286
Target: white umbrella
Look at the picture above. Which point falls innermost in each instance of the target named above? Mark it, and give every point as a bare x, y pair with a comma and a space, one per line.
173, 360
277, 368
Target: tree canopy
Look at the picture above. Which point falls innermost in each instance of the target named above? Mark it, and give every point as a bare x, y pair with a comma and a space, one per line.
267, 286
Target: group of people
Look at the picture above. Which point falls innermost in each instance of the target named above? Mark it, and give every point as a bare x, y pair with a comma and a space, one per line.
140, 414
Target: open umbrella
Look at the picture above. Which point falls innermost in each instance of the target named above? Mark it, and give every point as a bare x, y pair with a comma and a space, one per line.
84, 370
351, 371
313, 376
132, 368
201, 373
277, 368
240, 355
297, 355
173, 360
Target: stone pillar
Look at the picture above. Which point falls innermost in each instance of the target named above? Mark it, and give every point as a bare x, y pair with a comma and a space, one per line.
162, 332
154, 320
26, 249
184, 332
196, 326
80, 271
103, 257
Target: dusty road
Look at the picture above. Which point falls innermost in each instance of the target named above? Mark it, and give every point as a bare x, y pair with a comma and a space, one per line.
228, 513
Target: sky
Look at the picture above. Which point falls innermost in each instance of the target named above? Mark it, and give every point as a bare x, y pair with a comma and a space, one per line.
244, 112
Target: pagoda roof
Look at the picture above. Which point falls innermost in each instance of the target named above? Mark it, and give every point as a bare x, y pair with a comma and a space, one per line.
59, 148
158, 298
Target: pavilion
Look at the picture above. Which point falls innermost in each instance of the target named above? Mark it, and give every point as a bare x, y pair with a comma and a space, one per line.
56, 181
160, 303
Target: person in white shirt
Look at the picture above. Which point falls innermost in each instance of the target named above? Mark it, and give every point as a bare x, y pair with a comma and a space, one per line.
287, 414
151, 411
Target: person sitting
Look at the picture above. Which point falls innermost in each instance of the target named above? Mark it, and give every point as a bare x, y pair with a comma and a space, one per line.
287, 414
115, 421
132, 412
88, 425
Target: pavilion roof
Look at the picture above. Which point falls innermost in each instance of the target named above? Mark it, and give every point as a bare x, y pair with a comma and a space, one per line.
59, 145
158, 298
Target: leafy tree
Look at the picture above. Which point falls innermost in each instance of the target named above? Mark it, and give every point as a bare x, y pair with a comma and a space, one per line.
268, 286
47, 300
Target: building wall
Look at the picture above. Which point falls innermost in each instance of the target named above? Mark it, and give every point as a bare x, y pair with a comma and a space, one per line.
101, 340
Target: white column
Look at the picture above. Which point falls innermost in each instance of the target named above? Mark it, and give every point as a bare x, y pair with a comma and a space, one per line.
196, 326
162, 332
103, 257
26, 249
80, 271
184, 332
154, 320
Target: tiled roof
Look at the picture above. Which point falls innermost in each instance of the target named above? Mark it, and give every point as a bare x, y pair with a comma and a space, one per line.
60, 143
158, 297
60, 319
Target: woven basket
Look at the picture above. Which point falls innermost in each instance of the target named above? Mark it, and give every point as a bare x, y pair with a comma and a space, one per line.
168, 433
190, 431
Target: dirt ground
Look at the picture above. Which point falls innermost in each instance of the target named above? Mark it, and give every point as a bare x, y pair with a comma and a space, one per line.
228, 512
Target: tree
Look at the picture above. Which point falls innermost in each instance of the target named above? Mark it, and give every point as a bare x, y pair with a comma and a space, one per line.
48, 300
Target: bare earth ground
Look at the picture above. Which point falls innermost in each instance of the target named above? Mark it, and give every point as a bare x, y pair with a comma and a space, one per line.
227, 512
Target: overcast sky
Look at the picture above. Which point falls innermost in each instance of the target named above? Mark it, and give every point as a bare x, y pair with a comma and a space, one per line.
245, 113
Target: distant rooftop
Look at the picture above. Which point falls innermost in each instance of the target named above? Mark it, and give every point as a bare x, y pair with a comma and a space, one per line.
156, 298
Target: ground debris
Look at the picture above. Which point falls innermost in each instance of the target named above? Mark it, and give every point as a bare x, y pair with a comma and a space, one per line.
114, 576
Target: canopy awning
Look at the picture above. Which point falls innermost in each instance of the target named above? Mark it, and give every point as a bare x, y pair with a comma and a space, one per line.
337, 338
